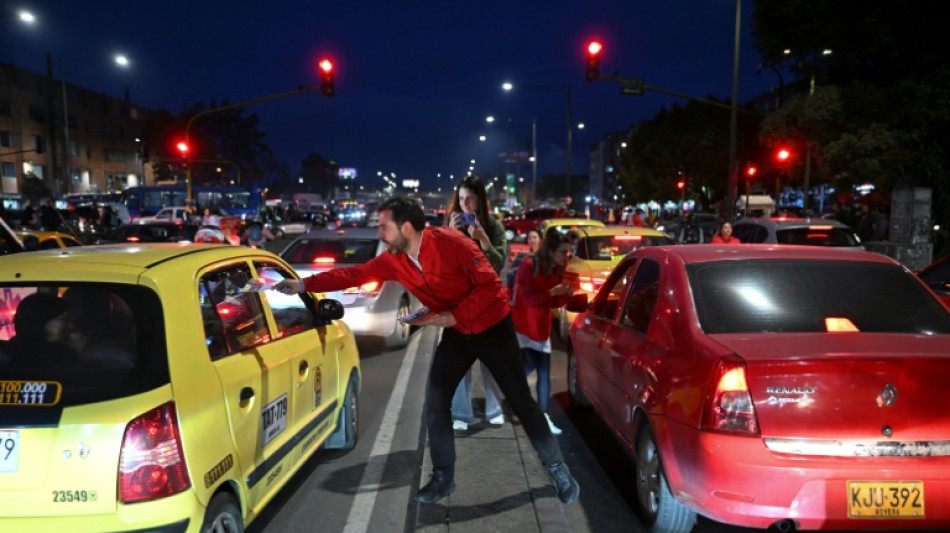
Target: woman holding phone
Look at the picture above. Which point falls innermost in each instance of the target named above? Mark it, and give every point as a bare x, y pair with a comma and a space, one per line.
471, 214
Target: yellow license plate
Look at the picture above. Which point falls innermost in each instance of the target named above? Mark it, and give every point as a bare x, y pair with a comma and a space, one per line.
885, 499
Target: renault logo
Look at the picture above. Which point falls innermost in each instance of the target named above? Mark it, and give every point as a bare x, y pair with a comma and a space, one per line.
888, 396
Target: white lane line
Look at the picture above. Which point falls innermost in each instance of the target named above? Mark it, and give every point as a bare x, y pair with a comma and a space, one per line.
362, 508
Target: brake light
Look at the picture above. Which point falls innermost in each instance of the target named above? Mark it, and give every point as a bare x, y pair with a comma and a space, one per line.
729, 407
590, 284
370, 288
833, 324
628, 238
151, 462
132, 238
324, 260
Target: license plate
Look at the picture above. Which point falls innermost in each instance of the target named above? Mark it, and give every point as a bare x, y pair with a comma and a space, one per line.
30, 393
885, 499
9, 451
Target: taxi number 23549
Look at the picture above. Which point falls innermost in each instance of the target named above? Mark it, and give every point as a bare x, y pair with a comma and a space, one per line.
70, 496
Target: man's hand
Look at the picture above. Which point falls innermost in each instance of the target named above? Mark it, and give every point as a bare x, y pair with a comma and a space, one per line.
289, 286
445, 319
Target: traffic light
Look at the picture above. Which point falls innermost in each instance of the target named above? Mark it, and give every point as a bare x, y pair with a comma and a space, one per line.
750, 172
681, 185
593, 60
182, 147
782, 155
326, 76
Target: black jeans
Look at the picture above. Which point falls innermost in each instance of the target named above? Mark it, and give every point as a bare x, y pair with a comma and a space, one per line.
497, 347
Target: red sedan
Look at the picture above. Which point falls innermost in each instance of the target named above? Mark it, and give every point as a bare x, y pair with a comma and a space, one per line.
798, 387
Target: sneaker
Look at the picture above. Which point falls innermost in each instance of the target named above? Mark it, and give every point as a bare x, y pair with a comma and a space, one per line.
498, 420
460, 425
554, 429
439, 486
567, 488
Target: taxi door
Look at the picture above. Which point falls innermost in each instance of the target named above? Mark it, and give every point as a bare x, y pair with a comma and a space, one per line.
254, 374
313, 362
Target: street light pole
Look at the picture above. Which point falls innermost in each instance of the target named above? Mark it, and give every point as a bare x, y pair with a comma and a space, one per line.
534, 160
569, 135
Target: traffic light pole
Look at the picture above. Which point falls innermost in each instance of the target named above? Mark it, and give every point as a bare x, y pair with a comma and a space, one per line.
191, 121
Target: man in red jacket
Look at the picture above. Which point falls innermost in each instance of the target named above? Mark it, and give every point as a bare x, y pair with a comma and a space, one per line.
450, 275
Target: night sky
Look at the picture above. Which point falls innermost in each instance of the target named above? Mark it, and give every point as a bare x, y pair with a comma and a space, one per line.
414, 80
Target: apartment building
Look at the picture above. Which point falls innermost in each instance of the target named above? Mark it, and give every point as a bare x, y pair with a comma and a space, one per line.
41, 116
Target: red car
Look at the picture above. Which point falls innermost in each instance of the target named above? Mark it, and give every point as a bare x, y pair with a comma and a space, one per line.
530, 219
794, 387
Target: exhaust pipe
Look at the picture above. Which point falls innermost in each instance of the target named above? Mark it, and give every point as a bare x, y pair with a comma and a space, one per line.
784, 526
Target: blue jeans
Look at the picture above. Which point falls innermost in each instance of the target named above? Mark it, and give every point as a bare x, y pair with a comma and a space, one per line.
533, 359
462, 401
497, 347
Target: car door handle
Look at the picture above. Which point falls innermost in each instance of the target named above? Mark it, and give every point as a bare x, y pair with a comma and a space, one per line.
246, 394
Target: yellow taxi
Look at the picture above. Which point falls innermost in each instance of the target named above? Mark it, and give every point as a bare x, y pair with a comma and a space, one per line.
562, 225
594, 255
162, 387
47, 239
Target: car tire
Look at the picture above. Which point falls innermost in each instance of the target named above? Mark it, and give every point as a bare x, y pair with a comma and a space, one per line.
657, 507
400, 334
576, 395
223, 515
348, 427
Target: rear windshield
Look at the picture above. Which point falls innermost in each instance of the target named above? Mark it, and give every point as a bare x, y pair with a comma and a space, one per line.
817, 236
331, 251
607, 247
96, 341
812, 296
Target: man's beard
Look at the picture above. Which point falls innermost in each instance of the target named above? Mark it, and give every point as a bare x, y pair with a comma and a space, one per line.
400, 244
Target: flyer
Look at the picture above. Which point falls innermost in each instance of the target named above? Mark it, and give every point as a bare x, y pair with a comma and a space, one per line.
416, 316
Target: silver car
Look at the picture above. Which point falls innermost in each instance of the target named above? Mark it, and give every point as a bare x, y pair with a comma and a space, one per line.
807, 231
373, 309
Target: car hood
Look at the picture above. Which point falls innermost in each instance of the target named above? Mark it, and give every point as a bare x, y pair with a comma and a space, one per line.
847, 386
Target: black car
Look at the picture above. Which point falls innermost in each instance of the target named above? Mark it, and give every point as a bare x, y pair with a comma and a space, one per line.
151, 232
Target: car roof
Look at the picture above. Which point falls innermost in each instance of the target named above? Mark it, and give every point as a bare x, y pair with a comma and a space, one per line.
40, 234
792, 222
572, 221
125, 255
598, 231
699, 253
340, 233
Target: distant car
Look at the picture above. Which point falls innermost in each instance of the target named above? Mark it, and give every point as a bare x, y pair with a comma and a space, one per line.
596, 253
49, 239
168, 214
180, 399
151, 232
372, 310
531, 219
694, 228
294, 225
937, 276
562, 225
767, 386
805, 231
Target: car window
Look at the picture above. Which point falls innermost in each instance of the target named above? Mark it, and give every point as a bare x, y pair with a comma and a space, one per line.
49, 244
69, 242
610, 295
750, 233
293, 313
802, 296
87, 342
816, 236
233, 316
642, 298
612, 247
331, 251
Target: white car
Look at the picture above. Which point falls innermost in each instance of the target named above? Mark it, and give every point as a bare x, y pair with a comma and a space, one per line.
373, 309
169, 214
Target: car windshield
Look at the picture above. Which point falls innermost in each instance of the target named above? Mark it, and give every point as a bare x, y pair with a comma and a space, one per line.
817, 236
812, 296
84, 342
608, 247
331, 251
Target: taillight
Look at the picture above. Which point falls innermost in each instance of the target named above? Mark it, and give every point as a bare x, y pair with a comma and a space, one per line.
370, 288
729, 406
132, 238
590, 284
151, 463
324, 260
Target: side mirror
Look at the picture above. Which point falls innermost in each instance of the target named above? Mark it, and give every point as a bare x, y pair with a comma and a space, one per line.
577, 303
328, 310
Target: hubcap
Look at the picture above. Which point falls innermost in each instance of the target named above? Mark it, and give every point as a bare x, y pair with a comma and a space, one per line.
648, 477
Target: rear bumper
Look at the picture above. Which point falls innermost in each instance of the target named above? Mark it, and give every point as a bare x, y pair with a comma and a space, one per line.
736, 480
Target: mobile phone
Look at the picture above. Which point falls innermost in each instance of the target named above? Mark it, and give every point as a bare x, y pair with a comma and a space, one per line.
467, 219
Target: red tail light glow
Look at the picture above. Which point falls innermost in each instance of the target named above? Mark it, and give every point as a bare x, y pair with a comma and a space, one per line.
132, 238
324, 260
628, 238
590, 284
729, 407
151, 462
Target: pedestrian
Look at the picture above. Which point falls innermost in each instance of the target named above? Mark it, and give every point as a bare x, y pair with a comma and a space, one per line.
637, 219
470, 213
540, 286
724, 235
450, 275
256, 235
49, 216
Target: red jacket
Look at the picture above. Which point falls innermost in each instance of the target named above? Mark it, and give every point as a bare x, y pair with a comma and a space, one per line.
533, 301
455, 277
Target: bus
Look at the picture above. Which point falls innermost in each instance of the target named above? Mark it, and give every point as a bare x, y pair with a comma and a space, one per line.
244, 201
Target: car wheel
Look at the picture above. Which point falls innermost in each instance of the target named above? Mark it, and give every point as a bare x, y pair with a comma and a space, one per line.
658, 509
400, 334
510, 234
348, 426
578, 399
223, 515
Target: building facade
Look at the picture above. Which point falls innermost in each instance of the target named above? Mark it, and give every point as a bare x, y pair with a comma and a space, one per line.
40, 117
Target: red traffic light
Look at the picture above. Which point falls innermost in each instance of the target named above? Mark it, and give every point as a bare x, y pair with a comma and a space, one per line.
751, 171
182, 147
594, 49
681, 184
326, 76
782, 155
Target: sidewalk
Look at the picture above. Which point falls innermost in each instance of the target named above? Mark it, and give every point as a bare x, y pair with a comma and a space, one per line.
500, 485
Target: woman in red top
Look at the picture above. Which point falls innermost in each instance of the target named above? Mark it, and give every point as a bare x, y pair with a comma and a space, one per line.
724, 235
537, 290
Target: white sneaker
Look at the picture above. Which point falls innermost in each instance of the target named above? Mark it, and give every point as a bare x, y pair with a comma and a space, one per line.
498, 420
554, 429
460, 425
